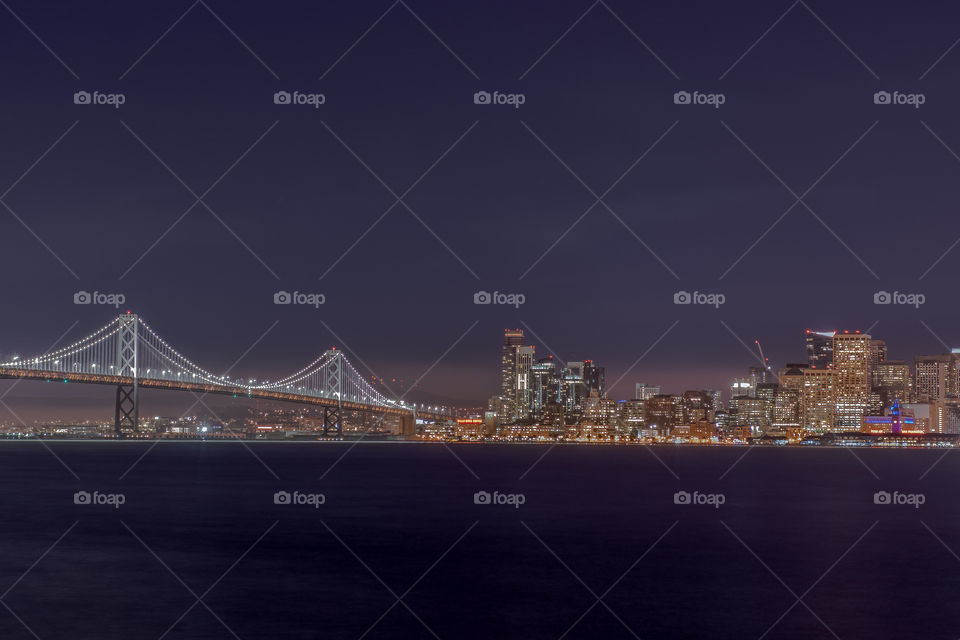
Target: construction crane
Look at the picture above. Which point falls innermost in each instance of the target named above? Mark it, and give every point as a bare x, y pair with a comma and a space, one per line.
763, 358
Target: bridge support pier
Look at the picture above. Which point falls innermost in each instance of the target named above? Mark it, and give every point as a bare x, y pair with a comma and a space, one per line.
332, 421
127, 415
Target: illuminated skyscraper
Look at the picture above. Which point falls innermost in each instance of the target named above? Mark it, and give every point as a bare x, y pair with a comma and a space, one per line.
819, 348
852, 365
817, 401
644, 391
516, 360
934, 377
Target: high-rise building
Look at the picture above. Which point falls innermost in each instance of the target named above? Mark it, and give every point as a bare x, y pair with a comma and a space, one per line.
852, 383
878, 352
742, 387
573, 389
593, 377
791, 376
891, 379
544, 385
644, 391
663, 412
934, 377
820, 348
515, 362
817, 402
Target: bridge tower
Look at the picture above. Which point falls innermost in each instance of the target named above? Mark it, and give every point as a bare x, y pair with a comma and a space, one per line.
127, 414
332, 378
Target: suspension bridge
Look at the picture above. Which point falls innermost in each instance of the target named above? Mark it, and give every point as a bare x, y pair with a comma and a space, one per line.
131, 356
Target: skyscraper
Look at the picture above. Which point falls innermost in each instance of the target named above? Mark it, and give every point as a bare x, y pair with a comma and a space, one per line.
817, 402
515, 362
934, 376
852, 365
644, 391
820, 348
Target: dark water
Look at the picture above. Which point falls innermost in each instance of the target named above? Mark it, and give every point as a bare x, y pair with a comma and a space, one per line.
400, 521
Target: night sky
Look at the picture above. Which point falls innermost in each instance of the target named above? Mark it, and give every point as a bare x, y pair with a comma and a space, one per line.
296, 197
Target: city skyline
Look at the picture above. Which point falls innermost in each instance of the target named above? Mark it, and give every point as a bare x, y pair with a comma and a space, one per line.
301, 196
